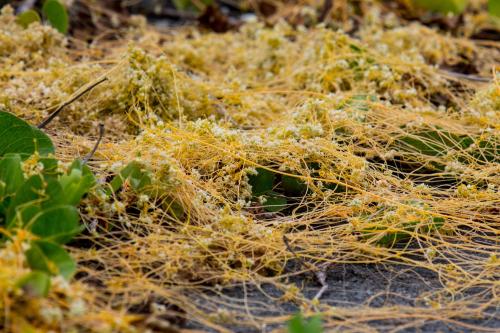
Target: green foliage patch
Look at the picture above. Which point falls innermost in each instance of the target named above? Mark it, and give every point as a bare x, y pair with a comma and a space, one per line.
189, 4
135, 174
388, 236
276, 191
299, 324
455, 6
26, 18
35, 283
39, 197
494, 8
53, 12
17, 136
443, 6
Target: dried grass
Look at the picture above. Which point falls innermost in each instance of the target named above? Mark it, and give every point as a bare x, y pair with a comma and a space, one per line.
203, 111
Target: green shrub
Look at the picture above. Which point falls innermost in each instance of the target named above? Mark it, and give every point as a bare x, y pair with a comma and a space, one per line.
455, 6
36, 195
53, 12
298, 324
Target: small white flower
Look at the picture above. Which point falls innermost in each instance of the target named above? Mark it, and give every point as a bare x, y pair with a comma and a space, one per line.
77, 307
51, 314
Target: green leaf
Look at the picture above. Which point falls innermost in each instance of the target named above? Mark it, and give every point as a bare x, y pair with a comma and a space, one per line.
293, 186
181, 4
300, 325
35, 284
56, 14
26, 18
188, 4
437, 223
314, 325
383, 235
355, 48
433, 143
54, 194
17, 136
26, 202
359, 102
494, 8
296, 324
443, 6
58, 224
262, 182
274, 202
50, 258
135, 173
337, 188
387, 238
76, 183
488, 151
50, 166
34, 195
174, 208
11, 175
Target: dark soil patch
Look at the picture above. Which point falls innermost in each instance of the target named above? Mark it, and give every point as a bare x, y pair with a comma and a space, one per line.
350, 286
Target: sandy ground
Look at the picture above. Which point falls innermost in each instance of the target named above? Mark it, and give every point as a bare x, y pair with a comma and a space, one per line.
354, 286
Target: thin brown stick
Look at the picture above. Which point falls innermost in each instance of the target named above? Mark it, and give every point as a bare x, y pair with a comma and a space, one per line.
71, 100
469, 77
89, 155
327, 7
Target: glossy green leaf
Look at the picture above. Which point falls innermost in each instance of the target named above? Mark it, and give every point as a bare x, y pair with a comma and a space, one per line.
181, 4
54, 193
50, 167
58, 224
293, 186
188, 4
355, 48
11, 174
262, 182
437, 223
487, 151
314, 325
174, 208
433, 143
274, 202
50, 258
35, 284
17, 136
76, 183
55, 13
387, 238
298, 324
135, 173
390, 239
494, 8
26, 202
443, 6
34, 195
337, 188
26, 18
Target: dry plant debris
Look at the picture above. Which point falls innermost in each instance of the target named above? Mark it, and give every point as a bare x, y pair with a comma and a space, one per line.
374, 153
